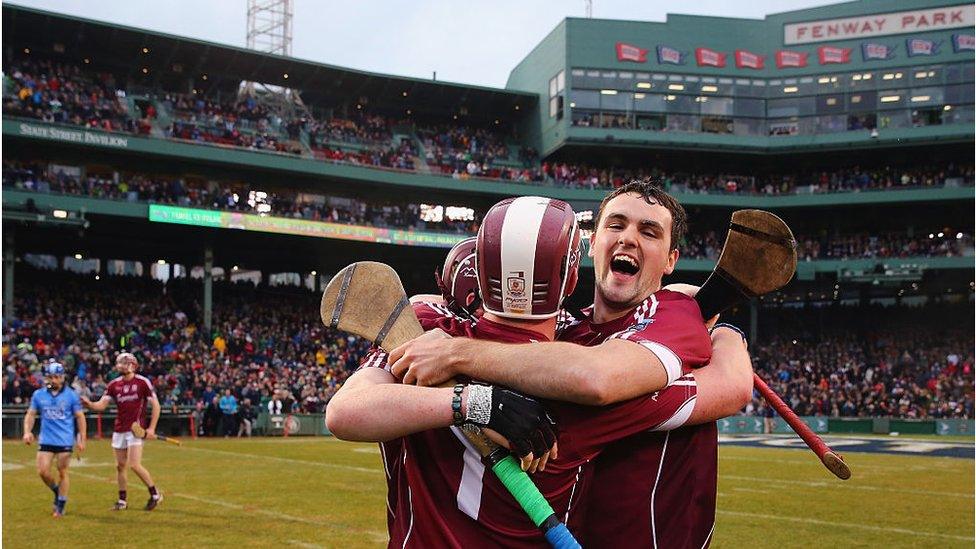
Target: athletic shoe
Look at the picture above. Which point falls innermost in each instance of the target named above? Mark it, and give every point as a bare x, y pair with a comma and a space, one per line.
59, 509
153, 502
58, 513
120, 505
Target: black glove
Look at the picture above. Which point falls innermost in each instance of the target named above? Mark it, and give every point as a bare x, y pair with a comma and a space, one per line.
521, 419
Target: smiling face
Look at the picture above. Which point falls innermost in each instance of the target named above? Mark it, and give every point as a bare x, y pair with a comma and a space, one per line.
631, 251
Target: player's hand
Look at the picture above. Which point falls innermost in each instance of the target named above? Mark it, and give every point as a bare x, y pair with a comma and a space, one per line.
28, 438
86, 402
150, 434
80, 446
528, 463
425, 360
520, 419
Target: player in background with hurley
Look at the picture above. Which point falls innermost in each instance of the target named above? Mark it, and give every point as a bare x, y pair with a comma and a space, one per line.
130, 391
62, 425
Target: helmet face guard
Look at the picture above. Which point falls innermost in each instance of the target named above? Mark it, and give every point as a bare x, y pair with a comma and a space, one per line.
527, 257
458, 279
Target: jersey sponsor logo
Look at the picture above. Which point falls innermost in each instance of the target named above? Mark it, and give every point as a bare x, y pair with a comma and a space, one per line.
55, 413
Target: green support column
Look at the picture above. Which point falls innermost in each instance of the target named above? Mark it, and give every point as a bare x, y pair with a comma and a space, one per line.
8, 275
208, 289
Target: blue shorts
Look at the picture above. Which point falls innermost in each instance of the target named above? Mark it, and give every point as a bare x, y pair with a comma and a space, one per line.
55, 449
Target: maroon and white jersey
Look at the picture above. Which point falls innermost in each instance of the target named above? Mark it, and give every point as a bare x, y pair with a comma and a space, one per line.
655, 488
130, 397
439, 465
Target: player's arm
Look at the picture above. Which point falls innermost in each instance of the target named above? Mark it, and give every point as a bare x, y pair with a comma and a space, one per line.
82, 430
725, 384
372, 407
613, 371
29, 419
99, 405
154, 417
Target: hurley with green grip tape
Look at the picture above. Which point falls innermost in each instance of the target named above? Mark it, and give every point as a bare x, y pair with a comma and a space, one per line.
367, 299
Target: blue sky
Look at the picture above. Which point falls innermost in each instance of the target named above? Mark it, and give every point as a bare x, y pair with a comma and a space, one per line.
473, 42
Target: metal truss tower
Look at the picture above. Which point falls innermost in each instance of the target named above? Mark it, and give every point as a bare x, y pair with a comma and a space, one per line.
269, 26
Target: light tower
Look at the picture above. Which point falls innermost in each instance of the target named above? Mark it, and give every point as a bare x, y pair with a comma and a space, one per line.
269, 26
269, 29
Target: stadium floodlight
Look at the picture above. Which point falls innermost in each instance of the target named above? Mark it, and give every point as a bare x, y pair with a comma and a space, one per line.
160, 262
921, 98
676, 87
644, 85
790, 89
890, 98
709, 89
947, 108
78, 257
608, 92
60, 214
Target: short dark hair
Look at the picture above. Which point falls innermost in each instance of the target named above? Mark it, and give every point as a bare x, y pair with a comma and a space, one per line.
652, 193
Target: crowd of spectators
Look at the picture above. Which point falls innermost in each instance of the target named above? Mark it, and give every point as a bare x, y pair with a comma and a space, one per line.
356, 129
835, 245
65, 94
267, 345
74, 95
917, 363
244, 122
242, 198
815, 181
269, 351
225, 196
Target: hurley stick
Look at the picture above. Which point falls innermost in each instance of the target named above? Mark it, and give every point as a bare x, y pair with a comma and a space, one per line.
367, 299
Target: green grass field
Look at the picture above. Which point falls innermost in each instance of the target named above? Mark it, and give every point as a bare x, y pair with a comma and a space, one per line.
320, 492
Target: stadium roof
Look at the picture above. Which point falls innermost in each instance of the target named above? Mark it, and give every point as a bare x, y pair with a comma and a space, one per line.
129, 49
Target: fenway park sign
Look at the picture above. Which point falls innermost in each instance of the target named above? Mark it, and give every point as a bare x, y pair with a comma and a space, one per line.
882, 24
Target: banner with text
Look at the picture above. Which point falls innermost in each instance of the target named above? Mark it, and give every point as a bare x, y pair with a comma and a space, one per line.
302, 227
882, 24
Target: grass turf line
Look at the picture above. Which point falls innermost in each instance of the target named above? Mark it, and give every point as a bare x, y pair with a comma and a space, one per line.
305, 493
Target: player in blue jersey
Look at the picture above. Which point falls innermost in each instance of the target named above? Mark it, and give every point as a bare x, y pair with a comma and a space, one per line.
62, 421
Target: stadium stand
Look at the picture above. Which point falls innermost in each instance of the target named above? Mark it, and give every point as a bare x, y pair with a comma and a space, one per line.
241, 198
874, 174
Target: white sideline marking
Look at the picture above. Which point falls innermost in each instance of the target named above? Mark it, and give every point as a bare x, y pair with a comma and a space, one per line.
378, 536
7, 466
839, 484
886, 529
813, 461
306, 545
738, 489
370, 450
287, 460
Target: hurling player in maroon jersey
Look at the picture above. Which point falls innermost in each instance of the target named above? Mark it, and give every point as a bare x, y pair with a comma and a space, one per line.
639, 336
130, 391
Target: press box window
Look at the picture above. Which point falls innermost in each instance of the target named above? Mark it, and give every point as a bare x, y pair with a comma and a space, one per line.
557, 85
